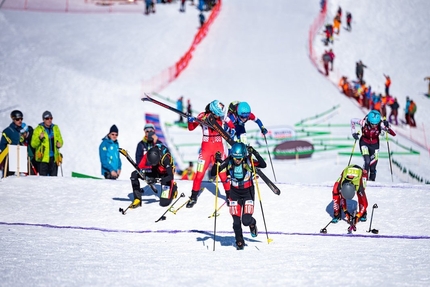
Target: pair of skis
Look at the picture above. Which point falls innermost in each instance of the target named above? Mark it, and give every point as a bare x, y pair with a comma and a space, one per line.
211, 122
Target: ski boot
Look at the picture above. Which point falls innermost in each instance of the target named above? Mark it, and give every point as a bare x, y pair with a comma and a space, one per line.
363, 218
253, 229
240, 245
136, 203
193, 199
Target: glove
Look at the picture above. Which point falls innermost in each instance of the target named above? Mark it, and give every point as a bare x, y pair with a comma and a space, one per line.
232, 132
263, 130
218, 156
251, 150
227, 198
355, 136
191, 119
386, 124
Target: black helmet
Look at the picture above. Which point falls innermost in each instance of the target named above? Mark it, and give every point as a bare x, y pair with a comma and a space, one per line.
153, 157
15, 114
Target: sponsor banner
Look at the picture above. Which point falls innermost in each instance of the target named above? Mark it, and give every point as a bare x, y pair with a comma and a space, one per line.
294, 149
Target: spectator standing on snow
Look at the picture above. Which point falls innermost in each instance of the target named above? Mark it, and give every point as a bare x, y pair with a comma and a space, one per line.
394, 105
348, 21
326, 60
387, 84
189, 109
359, 70
371, 127
202, 19
180, 107
411, 112
428, 79
47, 141
182, 9
10, 136
336, 24
241, 197
109, 154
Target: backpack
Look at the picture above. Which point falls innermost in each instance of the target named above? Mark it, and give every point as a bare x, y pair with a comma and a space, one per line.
232, 108
412, 108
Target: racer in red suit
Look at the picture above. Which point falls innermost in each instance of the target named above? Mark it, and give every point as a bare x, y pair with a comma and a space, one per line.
212, 142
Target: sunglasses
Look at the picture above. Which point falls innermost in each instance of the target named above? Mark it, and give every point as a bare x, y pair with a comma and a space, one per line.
48, 118
114, 134
148, 131
17, 120
238, 159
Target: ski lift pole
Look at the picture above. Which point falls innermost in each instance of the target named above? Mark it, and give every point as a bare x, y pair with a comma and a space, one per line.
270, 158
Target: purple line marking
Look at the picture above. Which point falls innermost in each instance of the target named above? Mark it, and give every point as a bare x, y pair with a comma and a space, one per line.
423, 237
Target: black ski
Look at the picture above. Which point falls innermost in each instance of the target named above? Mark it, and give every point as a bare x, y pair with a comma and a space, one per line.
170, 208
269, 183
134, 164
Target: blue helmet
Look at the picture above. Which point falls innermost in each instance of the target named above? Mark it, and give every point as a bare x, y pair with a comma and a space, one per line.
374, 117
217, 108
238, 150
243, 110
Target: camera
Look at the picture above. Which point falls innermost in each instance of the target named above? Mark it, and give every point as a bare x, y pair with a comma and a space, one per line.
150, 136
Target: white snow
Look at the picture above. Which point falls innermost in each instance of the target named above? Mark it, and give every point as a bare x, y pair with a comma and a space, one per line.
87, 69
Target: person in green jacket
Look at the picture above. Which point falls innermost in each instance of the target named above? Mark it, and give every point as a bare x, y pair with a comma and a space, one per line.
47, 141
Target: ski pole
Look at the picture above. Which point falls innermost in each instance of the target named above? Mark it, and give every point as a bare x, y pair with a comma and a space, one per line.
352, 152
374, 231
163, 217
324, 229
389, 156
270, 158
261, 204
176, 210
216, 199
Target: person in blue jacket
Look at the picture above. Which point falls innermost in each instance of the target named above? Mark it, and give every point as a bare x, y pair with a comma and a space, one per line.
109, 154
239, 113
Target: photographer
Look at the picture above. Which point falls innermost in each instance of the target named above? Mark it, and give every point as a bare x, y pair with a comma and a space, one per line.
149, 140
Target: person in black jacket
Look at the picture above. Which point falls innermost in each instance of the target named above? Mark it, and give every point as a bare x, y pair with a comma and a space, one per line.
240, 167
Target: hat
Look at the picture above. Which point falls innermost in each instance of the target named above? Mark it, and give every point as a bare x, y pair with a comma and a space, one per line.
149, 126
113, 129
46, 114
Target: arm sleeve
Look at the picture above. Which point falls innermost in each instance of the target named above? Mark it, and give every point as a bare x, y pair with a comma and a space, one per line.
355, 121
222, 166
166, 163
103, 157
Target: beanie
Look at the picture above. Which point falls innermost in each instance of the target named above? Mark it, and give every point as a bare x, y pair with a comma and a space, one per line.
113, 129
149, 126
46, 114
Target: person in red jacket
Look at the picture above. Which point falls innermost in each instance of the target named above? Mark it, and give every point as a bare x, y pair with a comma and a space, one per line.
211, 143
371, 127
